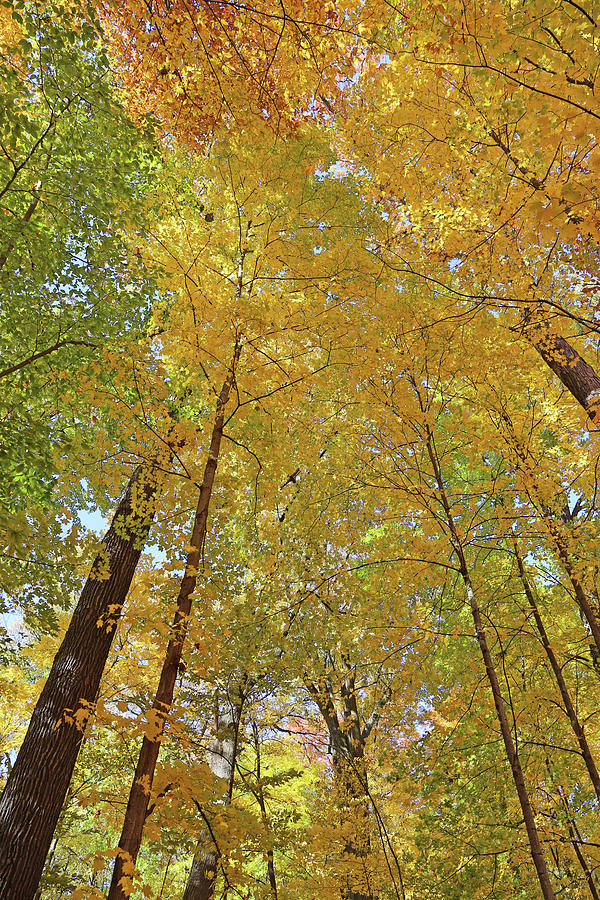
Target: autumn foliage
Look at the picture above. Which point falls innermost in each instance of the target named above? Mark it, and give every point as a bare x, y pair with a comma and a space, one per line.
299, 450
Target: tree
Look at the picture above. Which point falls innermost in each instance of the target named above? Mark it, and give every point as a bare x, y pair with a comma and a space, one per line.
331, 296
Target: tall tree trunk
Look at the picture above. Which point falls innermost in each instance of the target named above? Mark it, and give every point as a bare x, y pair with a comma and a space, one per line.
575, 840
350, 777
560, 540
558, 675
137, 805
37, 786
575, 373
535, 844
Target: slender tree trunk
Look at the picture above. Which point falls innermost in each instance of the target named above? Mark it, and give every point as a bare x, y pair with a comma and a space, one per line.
588, 874
558, 675
557, 536
574, 836
271, 873
511, 751
260, 799
37, 786
575, 373
27, 216
29, 211
587, 610
137, 805
575, 840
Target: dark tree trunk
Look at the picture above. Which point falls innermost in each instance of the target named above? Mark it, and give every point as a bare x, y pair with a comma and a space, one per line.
511, 751
575, 839
350, 776
560, 538
37, 786
575, 373
139, 796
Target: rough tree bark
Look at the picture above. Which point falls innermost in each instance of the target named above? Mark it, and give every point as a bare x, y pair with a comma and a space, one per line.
574, 372
201, 880
37, 786
137, 805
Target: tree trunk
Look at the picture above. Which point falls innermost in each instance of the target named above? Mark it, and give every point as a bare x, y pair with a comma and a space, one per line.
221, 756
201, 880
260, 799
350, 778
137, 805
535, 844
557, 534
575, 373
558, 675
28, 214
36, 789
511, 752
575, 841
587, 610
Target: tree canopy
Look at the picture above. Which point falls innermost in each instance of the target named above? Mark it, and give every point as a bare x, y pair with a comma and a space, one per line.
299, 453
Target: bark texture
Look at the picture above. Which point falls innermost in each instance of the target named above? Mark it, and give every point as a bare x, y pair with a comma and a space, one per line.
36, 789
575, 373
221, 756
201, 880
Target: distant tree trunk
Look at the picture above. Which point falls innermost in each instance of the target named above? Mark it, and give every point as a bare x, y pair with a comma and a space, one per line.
201, 880
583, 601
576, 841
575, 373
37, 786
348, 741
535, 844
260, 799
137, 805
28, 214
559, 536
31, 208
221, 756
